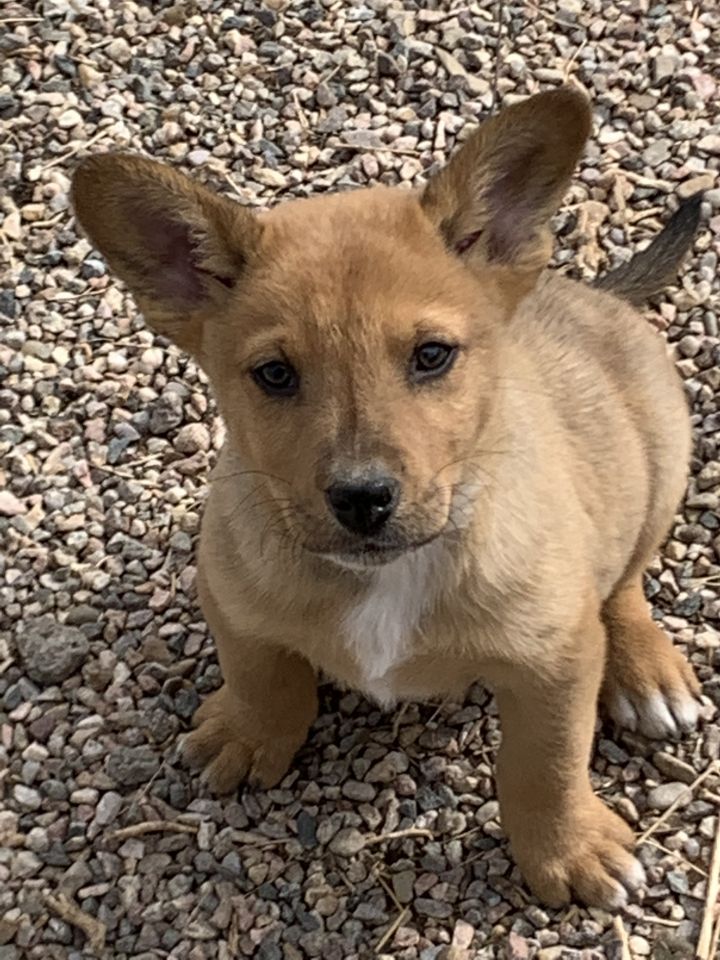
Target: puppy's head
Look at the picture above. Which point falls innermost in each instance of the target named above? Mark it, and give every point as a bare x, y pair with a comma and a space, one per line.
351, 339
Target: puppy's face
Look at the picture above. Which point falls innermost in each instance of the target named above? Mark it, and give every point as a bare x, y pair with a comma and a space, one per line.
351, 340
354, 367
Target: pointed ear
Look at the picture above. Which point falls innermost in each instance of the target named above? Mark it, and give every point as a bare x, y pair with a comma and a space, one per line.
493, 200
179, 247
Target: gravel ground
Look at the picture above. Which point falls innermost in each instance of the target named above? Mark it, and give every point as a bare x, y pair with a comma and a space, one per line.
385, 838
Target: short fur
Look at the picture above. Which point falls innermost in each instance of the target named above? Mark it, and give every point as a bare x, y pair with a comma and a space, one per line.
538, 475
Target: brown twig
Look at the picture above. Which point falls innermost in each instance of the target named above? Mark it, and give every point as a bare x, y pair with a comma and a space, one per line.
715, 943
50, 222
709, 770
152, 826
660, 921
622, 936
400, 835
570, 62
384, 148
71, 913
643, 181
678, 857
710, 927
397, 722
499, 10
78, 148
392, 929
231, 183
300, 111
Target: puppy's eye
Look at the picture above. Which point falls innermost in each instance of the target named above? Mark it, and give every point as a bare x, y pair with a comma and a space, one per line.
431, 359
277, 378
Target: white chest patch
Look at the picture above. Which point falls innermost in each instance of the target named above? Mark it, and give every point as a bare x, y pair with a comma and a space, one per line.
379, 629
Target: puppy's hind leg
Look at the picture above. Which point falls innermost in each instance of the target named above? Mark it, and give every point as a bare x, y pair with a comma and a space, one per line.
649, 685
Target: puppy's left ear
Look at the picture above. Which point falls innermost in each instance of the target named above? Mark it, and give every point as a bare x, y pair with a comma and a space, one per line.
493, 200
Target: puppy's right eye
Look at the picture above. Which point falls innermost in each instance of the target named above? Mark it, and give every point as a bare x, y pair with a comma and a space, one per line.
277, 378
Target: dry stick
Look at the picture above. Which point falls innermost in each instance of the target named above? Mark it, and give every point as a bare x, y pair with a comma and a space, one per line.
93, 929
707, 933
622, 936
152, 826
397, 722
439, 709
570, 62
226, 176
233, 939
678, 856
50, 222
643, 181
710, 769
400, 835
384, 148
498, 47
76, 149
392, 929
300, 111
661, 921
715, 939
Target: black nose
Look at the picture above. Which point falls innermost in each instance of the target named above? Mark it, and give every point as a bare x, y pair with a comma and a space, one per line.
363, 506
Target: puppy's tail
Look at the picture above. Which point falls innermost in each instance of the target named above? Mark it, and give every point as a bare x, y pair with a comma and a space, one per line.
649, 271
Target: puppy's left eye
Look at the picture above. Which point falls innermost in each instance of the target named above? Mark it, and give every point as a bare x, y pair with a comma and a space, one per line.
431, 359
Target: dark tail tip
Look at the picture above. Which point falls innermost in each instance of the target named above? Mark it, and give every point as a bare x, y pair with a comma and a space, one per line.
651, 270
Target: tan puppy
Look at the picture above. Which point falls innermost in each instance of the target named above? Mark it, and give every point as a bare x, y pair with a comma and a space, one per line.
442, 464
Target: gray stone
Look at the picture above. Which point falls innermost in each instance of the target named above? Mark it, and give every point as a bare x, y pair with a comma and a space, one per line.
436, 909
108, 808
348, 842
131, 766
166, 413
710, 144
663, 796
51, 651
193, 437
25, 864
665, 65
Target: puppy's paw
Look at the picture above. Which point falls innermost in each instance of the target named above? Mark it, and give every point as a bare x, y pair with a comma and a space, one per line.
231, 745
584, 855
649, 685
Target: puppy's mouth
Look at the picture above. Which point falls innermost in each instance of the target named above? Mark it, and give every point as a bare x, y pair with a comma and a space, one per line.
373, 554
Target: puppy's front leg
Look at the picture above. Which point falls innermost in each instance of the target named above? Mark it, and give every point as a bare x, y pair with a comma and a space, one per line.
252, 727
566, 841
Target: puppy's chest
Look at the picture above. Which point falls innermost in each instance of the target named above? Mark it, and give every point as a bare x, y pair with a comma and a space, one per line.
384, 633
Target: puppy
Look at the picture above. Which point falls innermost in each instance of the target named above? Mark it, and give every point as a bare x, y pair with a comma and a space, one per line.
442, 464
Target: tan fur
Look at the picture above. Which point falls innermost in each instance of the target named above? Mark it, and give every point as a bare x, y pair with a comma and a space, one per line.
539, 474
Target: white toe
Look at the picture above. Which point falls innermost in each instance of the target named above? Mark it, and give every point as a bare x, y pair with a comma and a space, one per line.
635, 876
656, 719
686, 710
618, 900
623, 712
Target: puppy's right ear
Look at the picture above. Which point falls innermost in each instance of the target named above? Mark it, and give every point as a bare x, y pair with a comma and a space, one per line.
180, 248
493, 201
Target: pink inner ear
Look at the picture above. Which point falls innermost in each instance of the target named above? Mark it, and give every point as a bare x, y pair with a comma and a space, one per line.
170, 257
462, 245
